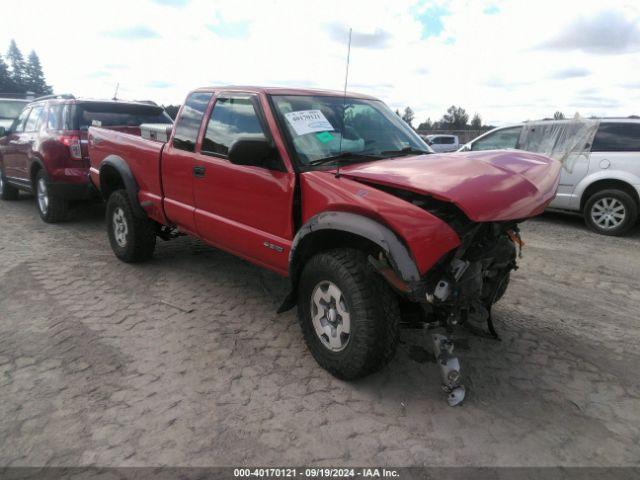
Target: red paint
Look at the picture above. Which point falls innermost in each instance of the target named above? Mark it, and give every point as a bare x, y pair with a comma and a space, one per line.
486, 186
242, 209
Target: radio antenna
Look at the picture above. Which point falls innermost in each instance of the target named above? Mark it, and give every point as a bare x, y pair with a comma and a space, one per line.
115, 94
344, 100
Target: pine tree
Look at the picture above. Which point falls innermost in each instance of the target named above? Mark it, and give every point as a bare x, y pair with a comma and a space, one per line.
6, 84
16, 62
34, 76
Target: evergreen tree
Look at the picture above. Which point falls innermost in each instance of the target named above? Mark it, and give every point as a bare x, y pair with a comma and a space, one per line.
34, 76
408, 116
17, 65
426, 125
476, 122
6, 83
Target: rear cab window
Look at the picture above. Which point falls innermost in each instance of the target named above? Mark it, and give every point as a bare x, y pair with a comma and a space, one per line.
617, 137
188, 123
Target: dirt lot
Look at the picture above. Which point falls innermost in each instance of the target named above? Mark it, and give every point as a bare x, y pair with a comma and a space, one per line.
183, 361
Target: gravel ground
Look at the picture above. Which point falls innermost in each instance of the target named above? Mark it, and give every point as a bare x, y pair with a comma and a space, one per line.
183, 361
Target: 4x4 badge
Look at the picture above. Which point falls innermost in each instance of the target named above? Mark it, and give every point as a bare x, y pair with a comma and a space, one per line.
273, 246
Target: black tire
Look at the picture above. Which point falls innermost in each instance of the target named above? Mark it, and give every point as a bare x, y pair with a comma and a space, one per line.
372, 306
138, 242
7, 192
56, 208
622, 200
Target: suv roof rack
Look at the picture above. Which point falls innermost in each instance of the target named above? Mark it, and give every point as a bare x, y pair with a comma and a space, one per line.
49, 97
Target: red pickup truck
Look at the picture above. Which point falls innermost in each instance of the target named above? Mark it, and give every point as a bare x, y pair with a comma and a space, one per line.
335, 192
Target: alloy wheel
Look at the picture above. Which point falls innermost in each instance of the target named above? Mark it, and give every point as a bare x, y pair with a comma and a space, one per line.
43, 196
120, 227
330, 316
608, 213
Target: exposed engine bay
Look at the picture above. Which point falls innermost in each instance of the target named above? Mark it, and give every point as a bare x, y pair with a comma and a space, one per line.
463, 286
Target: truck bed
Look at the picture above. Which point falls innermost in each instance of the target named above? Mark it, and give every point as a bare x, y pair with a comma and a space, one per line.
142, 157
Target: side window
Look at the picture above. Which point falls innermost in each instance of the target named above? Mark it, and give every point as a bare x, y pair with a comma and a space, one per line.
448, 140
34, 119
505, 138
231, 118
617, 137
54, 117
18, 125
188, 125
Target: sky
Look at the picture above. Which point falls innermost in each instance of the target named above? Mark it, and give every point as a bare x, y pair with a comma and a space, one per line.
508, 60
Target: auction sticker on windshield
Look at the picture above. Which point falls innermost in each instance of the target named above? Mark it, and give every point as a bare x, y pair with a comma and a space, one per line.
308, 121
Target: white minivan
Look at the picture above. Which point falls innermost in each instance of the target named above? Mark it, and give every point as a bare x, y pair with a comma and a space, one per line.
604, 181
441, 143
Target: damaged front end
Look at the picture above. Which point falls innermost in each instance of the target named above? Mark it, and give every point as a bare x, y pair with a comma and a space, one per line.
460, 290
463, 285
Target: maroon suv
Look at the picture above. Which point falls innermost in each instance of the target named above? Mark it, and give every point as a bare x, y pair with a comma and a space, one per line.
45, 149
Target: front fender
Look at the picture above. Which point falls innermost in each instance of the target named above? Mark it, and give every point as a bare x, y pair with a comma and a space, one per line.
367, 228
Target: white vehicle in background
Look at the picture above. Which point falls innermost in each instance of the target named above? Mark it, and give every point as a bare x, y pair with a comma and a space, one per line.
10, 109
603, 183
442, 143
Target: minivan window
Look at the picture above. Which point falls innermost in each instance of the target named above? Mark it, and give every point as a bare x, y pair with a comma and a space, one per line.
617, 137
501, 139
34, 119
188, 124
231, 118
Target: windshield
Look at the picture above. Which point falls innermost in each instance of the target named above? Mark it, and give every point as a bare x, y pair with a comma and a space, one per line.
10, 110
370, 129
110, 114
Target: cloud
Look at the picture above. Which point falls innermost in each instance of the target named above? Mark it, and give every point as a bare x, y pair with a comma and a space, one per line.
594, 101
98, 74
631, 85
609, 32
501, 84
139, 32
159, 84
172, 3
571, 72
116, 66
491, 10
339, 33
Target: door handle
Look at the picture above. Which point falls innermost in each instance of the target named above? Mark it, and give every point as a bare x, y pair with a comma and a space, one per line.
198, 172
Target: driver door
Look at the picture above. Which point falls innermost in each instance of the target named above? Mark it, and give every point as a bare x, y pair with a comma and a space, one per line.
244, 209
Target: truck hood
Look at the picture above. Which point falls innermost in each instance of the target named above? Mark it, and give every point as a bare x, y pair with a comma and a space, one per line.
492, 185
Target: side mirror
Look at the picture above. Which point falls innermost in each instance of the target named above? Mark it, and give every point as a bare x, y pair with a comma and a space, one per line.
256, 152
3, 131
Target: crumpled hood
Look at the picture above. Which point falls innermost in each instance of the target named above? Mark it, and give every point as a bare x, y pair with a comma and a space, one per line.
492, 185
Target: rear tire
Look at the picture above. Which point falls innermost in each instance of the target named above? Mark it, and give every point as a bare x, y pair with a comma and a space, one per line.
610, 212
133, 239
52, 209
7, 192
341, 291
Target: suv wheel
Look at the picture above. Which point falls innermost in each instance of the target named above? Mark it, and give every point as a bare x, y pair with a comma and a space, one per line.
132, 239
52, 209
7, 192
349, 315
611, 212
